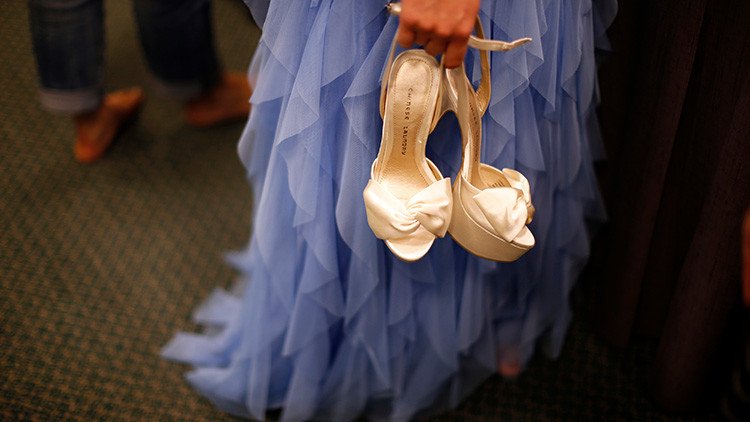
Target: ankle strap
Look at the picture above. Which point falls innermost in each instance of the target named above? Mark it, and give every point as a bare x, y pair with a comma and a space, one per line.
479, 42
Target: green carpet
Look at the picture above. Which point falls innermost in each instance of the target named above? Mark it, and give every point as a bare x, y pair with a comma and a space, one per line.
100, 265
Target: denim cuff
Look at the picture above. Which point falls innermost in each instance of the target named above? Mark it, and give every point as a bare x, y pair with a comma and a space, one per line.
74, 101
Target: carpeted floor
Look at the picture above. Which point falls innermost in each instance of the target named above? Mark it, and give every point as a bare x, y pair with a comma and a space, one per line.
101, 264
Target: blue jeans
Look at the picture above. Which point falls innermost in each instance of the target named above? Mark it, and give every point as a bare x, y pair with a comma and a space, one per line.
68, 37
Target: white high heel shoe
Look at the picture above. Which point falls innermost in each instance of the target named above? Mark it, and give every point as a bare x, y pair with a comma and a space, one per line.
491, 206
408, 202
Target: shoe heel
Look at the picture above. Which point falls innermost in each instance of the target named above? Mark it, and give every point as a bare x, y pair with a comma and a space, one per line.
491, 207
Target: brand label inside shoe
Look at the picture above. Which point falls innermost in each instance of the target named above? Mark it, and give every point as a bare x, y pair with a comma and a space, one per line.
405, 131
411, 95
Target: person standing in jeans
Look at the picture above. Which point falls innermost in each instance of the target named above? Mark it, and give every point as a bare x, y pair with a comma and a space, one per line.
178, 43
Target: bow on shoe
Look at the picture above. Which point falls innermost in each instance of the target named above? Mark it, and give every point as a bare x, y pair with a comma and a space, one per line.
519, 181
390, 218
507, 209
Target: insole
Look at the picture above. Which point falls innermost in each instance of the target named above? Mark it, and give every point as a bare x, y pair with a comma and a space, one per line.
411, 98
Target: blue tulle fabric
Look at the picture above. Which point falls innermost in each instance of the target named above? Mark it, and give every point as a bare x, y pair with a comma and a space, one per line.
327, 323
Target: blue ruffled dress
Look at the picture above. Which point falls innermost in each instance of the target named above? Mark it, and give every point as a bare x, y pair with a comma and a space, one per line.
327, 323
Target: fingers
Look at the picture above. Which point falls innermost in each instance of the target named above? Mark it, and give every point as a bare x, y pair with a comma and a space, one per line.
406, 36
423, 37
453, 50
433, 43
435, 46
454, 54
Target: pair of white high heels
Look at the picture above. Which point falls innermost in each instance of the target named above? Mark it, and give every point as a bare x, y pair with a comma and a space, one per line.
408, 201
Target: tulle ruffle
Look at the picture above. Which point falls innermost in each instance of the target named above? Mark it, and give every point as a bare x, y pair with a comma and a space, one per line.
327, 323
